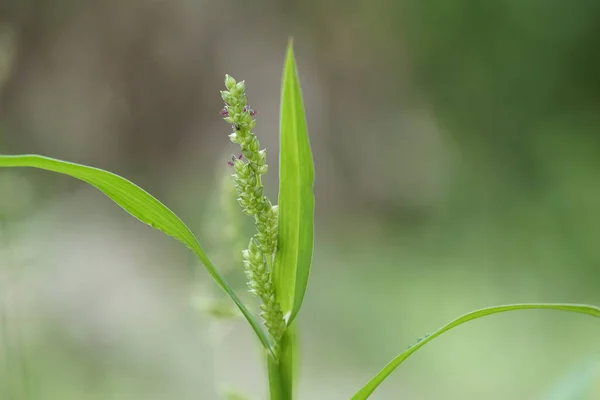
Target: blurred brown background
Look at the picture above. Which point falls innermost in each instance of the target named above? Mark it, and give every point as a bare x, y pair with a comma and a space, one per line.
457, 154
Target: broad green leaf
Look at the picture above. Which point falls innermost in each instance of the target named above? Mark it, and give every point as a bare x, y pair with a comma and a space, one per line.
142, 206
370, 387
296, 198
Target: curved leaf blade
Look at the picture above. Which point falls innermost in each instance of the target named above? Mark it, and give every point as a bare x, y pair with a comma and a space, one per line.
296, 198
370, 387
140, 204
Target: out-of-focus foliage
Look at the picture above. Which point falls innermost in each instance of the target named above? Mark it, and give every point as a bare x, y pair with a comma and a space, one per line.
578, 383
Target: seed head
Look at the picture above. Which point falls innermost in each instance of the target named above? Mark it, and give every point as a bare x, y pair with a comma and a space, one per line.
259, 256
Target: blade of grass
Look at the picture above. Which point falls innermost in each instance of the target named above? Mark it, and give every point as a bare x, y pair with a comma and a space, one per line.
142, 206
296, 198
370, 387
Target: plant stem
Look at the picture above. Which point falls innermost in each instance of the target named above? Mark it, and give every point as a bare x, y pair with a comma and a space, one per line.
276, 387
282, 372
280, 384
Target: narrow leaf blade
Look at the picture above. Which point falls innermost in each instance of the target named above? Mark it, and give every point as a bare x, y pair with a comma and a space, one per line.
296, 198
370, 387
142, 206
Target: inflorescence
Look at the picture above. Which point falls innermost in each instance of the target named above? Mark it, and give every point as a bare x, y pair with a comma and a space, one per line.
259, 257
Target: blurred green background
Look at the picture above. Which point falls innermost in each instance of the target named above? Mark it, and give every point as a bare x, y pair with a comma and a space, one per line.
457, 149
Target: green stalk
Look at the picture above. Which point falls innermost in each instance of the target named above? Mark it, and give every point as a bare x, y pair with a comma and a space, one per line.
276, 385
281, 369
282, 374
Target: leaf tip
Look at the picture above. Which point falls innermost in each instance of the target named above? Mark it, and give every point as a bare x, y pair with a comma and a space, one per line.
290, 57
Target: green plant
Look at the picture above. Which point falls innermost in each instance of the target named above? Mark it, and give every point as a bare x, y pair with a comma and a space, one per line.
278, 258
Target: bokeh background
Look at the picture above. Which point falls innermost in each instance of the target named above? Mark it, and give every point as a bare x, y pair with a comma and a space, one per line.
457, 149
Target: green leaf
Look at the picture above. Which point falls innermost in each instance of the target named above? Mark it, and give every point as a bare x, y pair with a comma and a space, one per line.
370, 387
142, 206
296, 198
